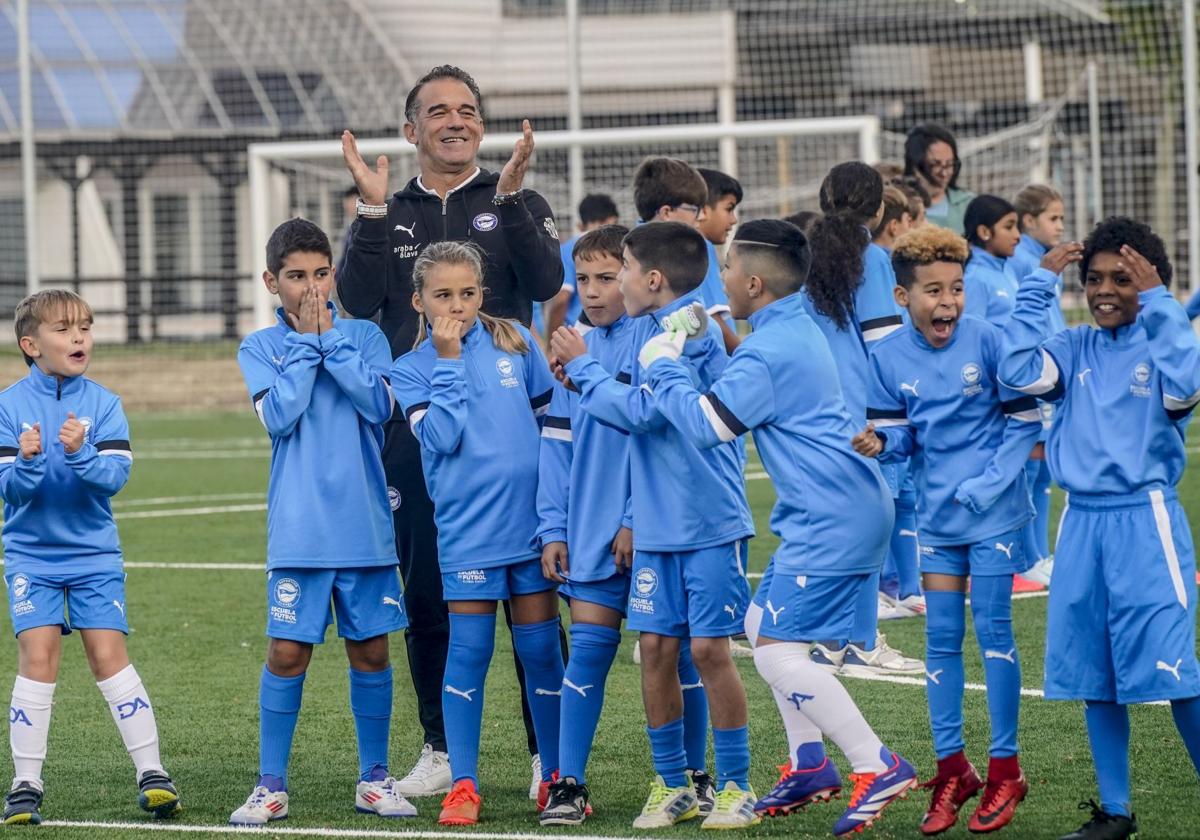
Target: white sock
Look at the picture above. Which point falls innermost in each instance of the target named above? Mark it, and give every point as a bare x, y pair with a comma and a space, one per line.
752, 622
29, 727
799, 727
130, 706
788, 669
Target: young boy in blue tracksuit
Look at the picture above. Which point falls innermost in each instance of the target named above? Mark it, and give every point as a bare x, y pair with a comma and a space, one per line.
586, 536
690, 523
318, 384
1121, 621
935, 399
474, 393
833, 515
64, 451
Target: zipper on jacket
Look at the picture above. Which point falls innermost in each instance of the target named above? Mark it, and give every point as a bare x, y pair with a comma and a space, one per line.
58, 392
445, 201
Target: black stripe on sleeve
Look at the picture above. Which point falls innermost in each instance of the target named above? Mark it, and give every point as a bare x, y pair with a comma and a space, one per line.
1174, 415
112, 444
552, 422
1019, 404
6, 451
625, 377
727, 417
876, 323
260, 395
541, 399
886, 414
412, 409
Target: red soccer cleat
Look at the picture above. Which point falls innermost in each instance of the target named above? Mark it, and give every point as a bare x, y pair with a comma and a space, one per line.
999, 803
1020, 584
461, 805
950, 793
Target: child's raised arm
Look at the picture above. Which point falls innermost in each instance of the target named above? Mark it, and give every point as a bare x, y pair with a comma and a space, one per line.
104, 466
280, 394
436, 409
22, 461
740, 400
1027, 364
607, 398
361, 372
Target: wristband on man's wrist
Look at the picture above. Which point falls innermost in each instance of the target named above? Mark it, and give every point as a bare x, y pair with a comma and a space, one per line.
501, 199
370, 211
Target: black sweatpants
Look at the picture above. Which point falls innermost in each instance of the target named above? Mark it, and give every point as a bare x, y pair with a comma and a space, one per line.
428, 633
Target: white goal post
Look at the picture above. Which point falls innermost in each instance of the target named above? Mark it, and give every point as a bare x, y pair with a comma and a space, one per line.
768, 155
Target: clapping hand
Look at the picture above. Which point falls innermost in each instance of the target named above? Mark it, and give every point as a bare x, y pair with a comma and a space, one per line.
512, 176
372, 184
71, 434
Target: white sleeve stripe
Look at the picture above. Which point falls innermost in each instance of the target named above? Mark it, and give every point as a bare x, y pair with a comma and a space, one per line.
1033, 415
258, 409
724, 433
416, 416
8, 459
124, 453
391, 397
1044, 383
890, 421
552, 433
876, 333
719, 309
540, 410
647, 389
1179, 403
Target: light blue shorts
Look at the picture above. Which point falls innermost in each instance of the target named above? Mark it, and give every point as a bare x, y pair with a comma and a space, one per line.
1007, 554
808, 608
611, 592
302, 603
87, 601
700, 593
499, 583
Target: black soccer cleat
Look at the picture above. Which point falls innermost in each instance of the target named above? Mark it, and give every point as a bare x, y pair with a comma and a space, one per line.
567, 805
157, 794
1103, 825
22, 804
706, 791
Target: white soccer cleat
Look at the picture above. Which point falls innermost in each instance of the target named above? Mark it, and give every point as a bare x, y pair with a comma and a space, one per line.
430, 776
1040, 571
536, 784
827, 659
383, 799
734, 808
667, 806
262, 806
881, 660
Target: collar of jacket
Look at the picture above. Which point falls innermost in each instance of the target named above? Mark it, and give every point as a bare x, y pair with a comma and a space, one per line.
481, 180
45, 383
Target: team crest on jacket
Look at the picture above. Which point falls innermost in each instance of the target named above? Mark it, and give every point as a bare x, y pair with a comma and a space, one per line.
504, 367
1141, 380
548, 224
971, 375
393, 498
485, 222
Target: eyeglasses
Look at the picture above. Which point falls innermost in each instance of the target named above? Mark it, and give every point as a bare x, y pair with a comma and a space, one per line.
940, 165
691, 208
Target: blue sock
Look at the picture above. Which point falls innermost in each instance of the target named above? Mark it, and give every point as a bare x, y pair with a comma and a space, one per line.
593, 648
731, 750
666, 748
904, 547
945, 626
1037, 476
889, 578
541, 656
371, 705
991, 607
1187, 721
1108, 733
809, 756
695, 709
278, 708
472, 639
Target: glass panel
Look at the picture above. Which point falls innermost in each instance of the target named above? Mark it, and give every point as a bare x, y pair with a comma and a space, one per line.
152, 37
85, 98
101, 35
50, 36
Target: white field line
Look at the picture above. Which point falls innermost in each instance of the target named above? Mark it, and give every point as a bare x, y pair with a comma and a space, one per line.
175, 500
195, 511
274, 830
199, 455
237, 567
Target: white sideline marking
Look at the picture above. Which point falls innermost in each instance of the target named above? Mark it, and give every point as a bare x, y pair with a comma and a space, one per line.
193, 455
174, 500
196, 511
242, 567
273, 829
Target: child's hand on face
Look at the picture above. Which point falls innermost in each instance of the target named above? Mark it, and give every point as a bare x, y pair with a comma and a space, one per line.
71, 434
324, 313
867, 443
447, 337
567, 344
307, 319
1140, 270
554, 562
30, 442
1062, 255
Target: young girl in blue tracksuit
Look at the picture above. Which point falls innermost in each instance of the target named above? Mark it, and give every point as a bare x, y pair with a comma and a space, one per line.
989, 284
1121, 617
473, 391
1040, 217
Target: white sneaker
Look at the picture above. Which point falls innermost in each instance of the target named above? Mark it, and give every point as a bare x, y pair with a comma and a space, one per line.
914, 605
262, 807
734, 808
887, 609
827, 659
667, 806
637, 652
740, 651
383, 799
1040, 571
430, 776
881, 660
536, 766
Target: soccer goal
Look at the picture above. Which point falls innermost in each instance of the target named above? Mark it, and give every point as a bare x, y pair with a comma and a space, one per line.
779, 162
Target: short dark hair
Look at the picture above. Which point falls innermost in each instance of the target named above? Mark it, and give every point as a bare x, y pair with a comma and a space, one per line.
720, 185
442, 71
677, 251
917, 143
984, 210
597, 207
803, 219
926, 245
1115, 231
604, 241
895, 206
777, 251
295, 235
666, 182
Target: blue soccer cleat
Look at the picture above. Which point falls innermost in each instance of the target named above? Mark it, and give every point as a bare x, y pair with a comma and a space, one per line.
875, 791
797, 789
